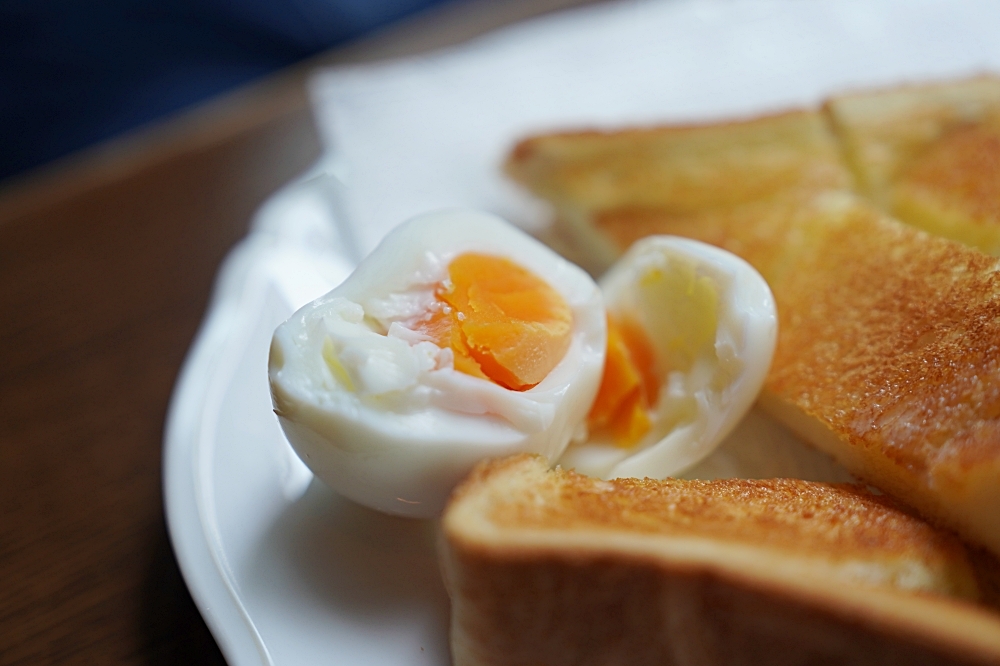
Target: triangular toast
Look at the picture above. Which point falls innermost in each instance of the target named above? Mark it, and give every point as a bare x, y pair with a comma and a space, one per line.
889, 339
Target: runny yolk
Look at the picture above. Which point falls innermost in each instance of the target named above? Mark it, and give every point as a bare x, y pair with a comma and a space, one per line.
502, 322
629, 387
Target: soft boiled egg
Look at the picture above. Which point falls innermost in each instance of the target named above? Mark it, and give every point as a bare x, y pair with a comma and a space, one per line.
458, 338
691, 333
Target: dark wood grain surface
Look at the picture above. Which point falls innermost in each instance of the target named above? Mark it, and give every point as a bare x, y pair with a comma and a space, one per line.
106, 265
101, 293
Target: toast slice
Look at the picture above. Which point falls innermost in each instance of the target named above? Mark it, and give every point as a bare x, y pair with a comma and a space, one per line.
685, 171
552, 567
929, 154
888, 354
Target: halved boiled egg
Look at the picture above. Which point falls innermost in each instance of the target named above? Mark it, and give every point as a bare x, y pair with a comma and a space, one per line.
459, 338
691, 333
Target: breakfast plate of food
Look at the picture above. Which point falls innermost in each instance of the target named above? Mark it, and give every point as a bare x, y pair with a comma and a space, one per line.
759, 422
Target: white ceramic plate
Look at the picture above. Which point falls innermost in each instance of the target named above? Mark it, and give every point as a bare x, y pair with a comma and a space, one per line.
285, 572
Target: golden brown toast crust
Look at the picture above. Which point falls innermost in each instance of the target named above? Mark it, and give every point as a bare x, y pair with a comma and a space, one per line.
889, 347
888, 358
882, 131
952, 189
929, 154
839, 521
889, 338
551, 567
899, 330
963, 167
765, 223
683, 169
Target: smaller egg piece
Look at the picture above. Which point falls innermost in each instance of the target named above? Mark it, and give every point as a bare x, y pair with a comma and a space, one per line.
691, 333
459, 338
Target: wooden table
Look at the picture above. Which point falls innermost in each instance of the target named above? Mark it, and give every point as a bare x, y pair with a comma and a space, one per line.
106, 264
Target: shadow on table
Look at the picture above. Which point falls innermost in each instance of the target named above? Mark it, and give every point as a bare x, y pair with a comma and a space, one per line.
172, 629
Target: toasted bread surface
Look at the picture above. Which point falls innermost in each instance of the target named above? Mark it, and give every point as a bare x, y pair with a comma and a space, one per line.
952, 189
888, 352
552, 567
696, 173
929, 154
891, 339
683, 169
887, 355
765, 223
882, 131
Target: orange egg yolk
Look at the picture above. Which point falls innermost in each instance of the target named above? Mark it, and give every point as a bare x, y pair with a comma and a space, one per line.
629, 387
502, 322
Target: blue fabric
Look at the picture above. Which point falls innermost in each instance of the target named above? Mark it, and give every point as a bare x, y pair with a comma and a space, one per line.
74, 72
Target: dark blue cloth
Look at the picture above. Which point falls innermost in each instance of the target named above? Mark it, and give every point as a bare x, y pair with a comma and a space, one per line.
74, 72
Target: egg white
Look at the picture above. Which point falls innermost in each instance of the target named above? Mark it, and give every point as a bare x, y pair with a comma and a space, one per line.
700, 404
378, 412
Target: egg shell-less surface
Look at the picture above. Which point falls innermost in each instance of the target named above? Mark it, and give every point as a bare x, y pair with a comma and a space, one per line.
403, 449
725, 377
